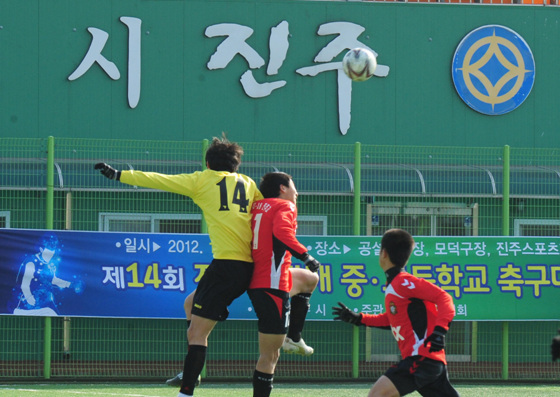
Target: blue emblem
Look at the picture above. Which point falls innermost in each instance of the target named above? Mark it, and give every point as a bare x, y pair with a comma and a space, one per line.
493, 70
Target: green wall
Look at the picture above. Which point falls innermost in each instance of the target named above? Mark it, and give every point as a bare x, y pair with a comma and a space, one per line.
42, 43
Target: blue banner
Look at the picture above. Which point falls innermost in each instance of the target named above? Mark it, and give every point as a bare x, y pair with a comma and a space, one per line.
99, 274
147, 275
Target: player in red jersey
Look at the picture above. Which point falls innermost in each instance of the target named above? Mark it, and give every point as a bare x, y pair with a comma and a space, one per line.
274, 281
419, 314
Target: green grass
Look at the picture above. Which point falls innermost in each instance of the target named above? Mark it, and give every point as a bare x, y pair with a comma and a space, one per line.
244, 390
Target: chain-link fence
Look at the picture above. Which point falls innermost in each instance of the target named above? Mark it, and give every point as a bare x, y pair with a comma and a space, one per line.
344, 190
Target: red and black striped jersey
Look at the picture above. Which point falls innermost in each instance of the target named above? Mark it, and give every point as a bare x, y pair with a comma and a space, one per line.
274, 223
413, 307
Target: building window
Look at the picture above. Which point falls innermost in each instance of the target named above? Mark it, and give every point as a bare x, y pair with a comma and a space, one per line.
4, 219
423, 219
536, 227
309, 225
150, 223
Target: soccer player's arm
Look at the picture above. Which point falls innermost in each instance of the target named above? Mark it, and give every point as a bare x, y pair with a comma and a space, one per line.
444, 302
376, 320
283, 229
26, 283
184, 184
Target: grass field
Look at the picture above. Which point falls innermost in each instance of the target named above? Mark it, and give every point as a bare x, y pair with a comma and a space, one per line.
245, 390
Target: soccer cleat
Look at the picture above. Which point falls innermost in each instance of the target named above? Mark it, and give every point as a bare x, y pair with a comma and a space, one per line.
291, 347
176, 381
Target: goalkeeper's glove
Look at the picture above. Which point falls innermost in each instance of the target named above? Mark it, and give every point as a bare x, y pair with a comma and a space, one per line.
311, 263
343, 313
437, 339
555, 347
108, 171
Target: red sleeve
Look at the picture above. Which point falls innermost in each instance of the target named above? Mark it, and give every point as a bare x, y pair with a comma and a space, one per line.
284, 228
375, 320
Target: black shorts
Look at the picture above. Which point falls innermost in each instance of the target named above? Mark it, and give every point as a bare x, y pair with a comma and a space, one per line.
272, 307
417, 373
222, 283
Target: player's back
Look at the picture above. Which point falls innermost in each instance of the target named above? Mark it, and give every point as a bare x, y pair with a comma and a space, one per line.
225, 199
273, 229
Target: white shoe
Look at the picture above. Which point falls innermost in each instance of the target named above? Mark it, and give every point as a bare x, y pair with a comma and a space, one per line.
178, 379
291, 347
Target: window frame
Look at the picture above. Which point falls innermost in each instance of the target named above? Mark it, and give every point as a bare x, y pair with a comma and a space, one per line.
6, 216
106, 217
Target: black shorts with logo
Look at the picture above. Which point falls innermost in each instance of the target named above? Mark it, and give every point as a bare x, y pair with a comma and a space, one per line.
417, 373
272, 307
222, 283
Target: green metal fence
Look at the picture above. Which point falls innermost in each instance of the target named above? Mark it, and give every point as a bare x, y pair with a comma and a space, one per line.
344, 190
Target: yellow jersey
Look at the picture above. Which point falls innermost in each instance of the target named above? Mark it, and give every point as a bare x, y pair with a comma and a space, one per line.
225, 198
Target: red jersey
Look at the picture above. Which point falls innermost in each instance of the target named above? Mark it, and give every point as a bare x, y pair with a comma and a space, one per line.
274, 241
413, 307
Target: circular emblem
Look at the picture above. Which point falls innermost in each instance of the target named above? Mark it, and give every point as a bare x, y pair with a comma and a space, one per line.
493, 70
392, 308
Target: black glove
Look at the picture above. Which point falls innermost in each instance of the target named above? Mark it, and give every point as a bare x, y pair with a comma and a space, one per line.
555, 347
108, 171
343, 313
311, 263
437, 338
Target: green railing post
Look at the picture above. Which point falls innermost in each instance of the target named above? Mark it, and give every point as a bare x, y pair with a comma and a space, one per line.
203, 225
357, 187
505, 350
205, 144
356, 230
47, 348
505, 193
505, 232
49, 224
50, 184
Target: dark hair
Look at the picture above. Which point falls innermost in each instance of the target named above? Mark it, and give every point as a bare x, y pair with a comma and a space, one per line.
398, 244
271, 182
223, 155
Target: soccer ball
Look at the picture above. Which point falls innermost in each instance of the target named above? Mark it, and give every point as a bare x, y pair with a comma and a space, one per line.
359, 64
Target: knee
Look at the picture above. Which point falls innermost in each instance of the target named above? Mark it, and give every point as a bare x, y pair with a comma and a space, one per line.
194, 334
312, 281
271, 357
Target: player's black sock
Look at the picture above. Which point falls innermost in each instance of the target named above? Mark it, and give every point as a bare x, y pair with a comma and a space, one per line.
300, 307
262, 384
194, 362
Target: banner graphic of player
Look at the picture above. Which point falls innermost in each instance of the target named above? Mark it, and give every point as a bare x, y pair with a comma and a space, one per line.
98, 274
146, 275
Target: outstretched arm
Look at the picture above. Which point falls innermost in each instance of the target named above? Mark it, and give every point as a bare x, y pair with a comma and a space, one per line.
26, 283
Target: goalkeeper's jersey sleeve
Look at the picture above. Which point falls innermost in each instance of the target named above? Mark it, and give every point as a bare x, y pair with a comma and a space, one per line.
225, 199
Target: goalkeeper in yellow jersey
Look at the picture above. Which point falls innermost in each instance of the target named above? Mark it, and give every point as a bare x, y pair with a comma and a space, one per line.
225, 198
